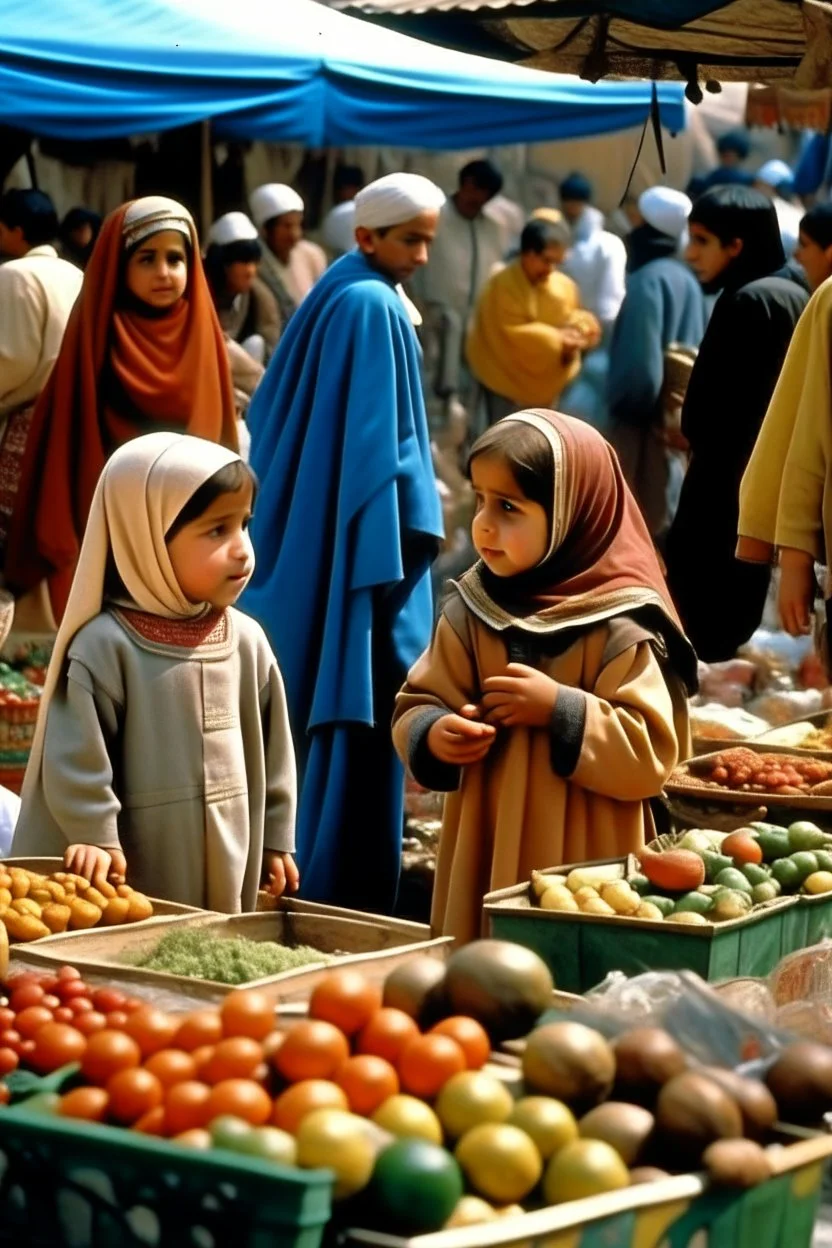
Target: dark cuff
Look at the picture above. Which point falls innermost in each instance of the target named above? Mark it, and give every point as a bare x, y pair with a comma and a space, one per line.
423, 766
566, 730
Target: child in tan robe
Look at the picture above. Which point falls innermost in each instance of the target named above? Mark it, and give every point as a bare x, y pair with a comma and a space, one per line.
163, 748
551, 704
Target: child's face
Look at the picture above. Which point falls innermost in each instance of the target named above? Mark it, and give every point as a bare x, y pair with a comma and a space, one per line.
157, 271
212, 556
510, 532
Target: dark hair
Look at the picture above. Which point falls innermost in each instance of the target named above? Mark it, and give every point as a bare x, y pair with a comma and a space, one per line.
78, 217
227, 480
817, 225
219, 255
526, 454
347, 175
732, 212
576, 187
33, 211
736, 141
539, 234
484, 174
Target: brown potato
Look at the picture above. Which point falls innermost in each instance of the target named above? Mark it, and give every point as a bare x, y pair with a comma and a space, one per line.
97, 898
20, 882
5, 898
41, 895
81, 885
141, 907
55, 890
84, 914
56, 916
24, 926
25, 905
107, 889
115, 912
123, 890
5, 879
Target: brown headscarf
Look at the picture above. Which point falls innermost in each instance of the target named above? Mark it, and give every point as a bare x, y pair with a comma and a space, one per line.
600, 562
120, 373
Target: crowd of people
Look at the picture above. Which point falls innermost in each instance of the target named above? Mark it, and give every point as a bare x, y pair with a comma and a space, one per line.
645, 436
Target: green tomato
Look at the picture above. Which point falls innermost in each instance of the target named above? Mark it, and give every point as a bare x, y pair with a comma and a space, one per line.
806, 863
755, 874
664, 904
230, 1132
270, 1144
733, 879
787, 874
695, 902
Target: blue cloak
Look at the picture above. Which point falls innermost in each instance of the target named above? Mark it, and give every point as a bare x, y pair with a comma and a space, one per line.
345, 529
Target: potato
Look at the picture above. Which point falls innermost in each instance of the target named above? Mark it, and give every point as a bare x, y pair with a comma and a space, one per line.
622, 898
115, 912
60, 876
69, 888
20, 882
5, 879
41, 895
141, 907
24, 926
25, 905
83, 914
5, 898
106, 889
97, 898
123, 890
81, 885
56, 916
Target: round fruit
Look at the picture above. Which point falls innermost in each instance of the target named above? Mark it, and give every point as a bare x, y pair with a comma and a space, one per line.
471, 1098
24, 996
171, 1066
407, 1117
427, 1063
198, 1029
584, 1168
313, 1049
107, 1053
271, 1144
247, 1012
386, 1034
86, 1023
196, 1138
241, 1097
9, 1061
503, 986
236, 1058
415, 987
346, 999
469, 1035
152, 1029
737, 1163
30, 1020
56, 1044
133, 1093
471, 1211
801, 1082
88, 1103
367, 1081
548, 1122
499, 1161
757, 1105
645, 1058
743, 848
303, 1098
691, 1112
570, 1062
626, 1128
186, 1106
106, 1000
152, 1123
415, 1187
230, 1132
338, 1141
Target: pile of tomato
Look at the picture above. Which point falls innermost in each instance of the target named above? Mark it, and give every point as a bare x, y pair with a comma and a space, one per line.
780, 774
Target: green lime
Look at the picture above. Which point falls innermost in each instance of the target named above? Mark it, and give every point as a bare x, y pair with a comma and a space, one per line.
805, 862
787, 874
639, 883
755, 874
693, 903
415, 1187
765, 892
824, 858
714, 863
733, 879
774, 842
665, 904
230, 1132
805, 835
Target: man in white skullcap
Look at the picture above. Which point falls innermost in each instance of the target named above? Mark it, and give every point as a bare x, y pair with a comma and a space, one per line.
291, 264
664, 306
347, 523
776, 180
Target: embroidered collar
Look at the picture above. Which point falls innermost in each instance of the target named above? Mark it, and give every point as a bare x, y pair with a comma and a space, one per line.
210, 629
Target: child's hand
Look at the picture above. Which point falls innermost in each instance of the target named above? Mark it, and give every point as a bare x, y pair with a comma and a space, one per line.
522, 695
281, 873
458, 740
99, 866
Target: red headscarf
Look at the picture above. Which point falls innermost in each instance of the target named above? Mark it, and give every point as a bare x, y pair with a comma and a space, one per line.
171, 372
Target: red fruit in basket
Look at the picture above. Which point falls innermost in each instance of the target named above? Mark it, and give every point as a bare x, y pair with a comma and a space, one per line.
345, 998
116, 1020
171, 1066
677, 870
247, 1012
88, 1022
30, 1021
107, 1053
427, 1063
57, 1044
80, 1005
108, 999
50, 1002
7, 1018
69, 989
243, 1098
133, 1093
64, 1014
8, 1061
131, 1004
303, 1098
21, 979
202, 1027
152, 1029
742, 847
202, 1057
368, 1081
471, 1037
386, 1034
28, 994
88, 1103
152, 1123
312, 1049
235, 1058
69, 972
5, 1094
11, 1039
186, 1106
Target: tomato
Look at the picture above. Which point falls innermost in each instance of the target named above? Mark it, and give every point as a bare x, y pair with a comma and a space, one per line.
32, 1019
312, 1049
198, 1029
241, 1097
346, 999
152, 1029
8, 1061
64, 1014
197, 1138
28, 994
368, 1081
69, 972
202, 1057
88, 1103
171, 1066
49, 983
107, 1053
152, 1123
133, 1093
386, 1034
131, 1004
7, 1017
471, 1037
69, 989
247, 1012
186, 1106
5, 1094
427, 1063
11, 1039
80, 1005
236, 1058
88, 1022
21, 979
116, 1020
51, 1002
106, 1000
292, 1106
57, 1044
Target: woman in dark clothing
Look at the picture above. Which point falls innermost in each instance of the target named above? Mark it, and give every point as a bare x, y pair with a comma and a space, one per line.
734, 249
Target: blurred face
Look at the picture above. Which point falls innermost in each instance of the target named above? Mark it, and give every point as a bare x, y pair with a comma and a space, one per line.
212, 556
81, 236
572, 209
402, 249
239, 276
284, 233
707, 255
816, 260
470, 199
12, 242
539, 266
730, 160
157, 271
510, 533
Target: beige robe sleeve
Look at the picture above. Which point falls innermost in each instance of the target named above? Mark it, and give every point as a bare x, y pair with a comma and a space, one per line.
81, 728
281, 775
22, 320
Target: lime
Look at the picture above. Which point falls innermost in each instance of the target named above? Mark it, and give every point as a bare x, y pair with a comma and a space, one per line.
733, 879
665, 904
787, 874
271, 1144
469, 1098
407, 1117
415, 1188
805, 835
805, 862
584, 1168
549, 1123
639, 884
230, 1132
714, 863
774, 842
500, 1162
696, 903
755, 874
824, 859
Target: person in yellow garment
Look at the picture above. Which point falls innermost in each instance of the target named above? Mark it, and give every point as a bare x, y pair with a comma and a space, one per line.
529, 329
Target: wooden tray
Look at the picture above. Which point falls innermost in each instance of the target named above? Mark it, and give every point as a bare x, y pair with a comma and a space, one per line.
819, 718
691, 787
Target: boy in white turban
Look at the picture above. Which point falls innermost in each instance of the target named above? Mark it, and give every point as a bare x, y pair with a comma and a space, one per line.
291, 264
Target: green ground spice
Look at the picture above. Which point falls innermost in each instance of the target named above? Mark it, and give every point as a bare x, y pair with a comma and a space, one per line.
228, 960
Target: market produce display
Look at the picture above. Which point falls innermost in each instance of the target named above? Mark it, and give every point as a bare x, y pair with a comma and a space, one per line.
706, 877
33, 905
226, 960
746, 771
803, 736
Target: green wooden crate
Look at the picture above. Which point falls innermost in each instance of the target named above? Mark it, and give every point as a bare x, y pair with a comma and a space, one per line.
581, 949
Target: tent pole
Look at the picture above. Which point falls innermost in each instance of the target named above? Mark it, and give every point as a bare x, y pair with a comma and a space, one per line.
206, 190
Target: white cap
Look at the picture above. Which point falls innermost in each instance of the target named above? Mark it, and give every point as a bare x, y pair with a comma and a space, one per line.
152, 214
775, 173
234, 227
666, 210
339, 227
274, 199
396, 198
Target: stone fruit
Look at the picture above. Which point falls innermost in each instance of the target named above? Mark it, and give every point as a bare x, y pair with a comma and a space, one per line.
570, 1062
692, 1112
645, 1059
801, 1082
757, 1105
737, 1163
503, 986
627, 1128
416, 988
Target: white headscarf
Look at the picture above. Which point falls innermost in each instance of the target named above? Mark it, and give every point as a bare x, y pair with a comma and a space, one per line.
666, 210
144, 486
233, 227
396, 198
274, 199
155, 213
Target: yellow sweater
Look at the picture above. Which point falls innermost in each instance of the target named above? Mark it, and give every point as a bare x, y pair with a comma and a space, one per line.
786, 492
515, 346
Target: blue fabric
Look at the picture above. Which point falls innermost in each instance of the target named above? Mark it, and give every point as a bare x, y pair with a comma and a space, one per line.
345, 528
292, 71
813, 165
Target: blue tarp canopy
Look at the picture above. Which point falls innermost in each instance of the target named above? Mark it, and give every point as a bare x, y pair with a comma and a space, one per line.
292, 71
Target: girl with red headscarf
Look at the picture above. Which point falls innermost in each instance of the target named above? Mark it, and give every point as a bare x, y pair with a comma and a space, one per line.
143, 351
552, 703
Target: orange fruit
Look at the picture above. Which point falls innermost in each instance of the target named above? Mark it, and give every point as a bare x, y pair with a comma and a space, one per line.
248, 1012
107, 1053
186, 1106
471, 1037
152, 1029
171, 1066
386, 1034
368, 1081
346, 999
197, 1138
152, 1123
243, 1098
198, 1029
313, 1049
202, 1057
88, 1103
292, 1106
235, 1058
133, 1093
56, 1044
427, 1063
